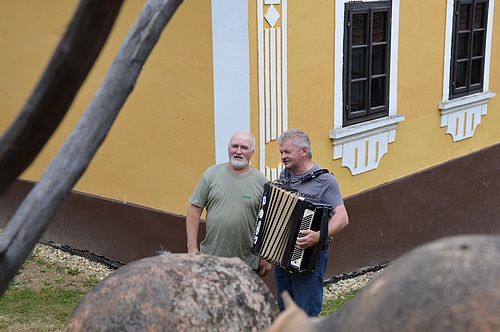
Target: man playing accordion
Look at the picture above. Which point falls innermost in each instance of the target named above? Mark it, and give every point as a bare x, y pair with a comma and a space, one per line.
306, 289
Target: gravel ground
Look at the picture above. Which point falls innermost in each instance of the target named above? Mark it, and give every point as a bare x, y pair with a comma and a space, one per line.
86, 267
90, 268
344, 286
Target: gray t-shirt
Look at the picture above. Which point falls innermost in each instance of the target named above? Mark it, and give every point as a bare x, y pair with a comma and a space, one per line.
324, 187
231, 203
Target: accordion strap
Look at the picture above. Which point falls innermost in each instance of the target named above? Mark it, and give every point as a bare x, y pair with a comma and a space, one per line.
306, 177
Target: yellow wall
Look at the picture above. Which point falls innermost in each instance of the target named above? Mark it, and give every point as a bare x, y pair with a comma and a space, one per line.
420, 141
160, 141
163, 139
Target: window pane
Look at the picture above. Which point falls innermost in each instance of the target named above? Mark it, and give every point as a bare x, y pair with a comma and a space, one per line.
357, 96
477, 71
379, 27
463, 45
461, 76
359, 29
469, 47
463, 19
358, 63
378, 92
477, 47
366, 66
378, 59
479, 15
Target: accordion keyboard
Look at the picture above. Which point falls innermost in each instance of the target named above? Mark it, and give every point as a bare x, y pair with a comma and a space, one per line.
306, 222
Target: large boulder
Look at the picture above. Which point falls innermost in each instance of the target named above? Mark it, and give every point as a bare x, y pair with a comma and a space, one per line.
177, 292
451, 284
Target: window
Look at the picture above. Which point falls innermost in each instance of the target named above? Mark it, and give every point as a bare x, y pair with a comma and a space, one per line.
366, 62
365, 106
467, 58
468, 47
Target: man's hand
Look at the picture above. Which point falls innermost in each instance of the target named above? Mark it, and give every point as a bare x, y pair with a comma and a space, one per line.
193, 250
307, 238
264, 267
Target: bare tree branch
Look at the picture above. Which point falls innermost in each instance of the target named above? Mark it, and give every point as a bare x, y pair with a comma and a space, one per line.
34, 214
57, 88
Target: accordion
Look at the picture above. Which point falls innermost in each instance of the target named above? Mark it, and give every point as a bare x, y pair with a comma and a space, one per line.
282, 214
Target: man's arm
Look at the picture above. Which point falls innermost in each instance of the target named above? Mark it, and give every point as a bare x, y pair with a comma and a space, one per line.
192, 226
338, 221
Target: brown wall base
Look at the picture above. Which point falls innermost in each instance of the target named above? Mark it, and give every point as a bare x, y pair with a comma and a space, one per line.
459, 197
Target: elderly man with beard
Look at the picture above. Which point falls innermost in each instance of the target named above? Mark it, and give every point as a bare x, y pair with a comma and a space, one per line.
230, 192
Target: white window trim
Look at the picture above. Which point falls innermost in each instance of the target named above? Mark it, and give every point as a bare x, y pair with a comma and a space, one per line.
361, 146
461, 116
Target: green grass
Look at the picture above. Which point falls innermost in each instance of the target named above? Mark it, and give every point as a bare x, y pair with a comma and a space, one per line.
45, 305
90, 282
332, 305
48, 306
73, 271
46, 309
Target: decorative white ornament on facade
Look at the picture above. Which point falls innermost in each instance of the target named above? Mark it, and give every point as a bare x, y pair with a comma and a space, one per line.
462, 119
362, 146
272, 61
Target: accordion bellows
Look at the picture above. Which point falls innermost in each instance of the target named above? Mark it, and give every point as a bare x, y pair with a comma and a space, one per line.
283, 213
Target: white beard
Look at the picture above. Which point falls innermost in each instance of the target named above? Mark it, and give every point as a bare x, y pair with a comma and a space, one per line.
239, 163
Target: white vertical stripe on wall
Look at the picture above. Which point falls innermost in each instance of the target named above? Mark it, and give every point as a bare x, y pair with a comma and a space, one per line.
284, 65
272, 52
268, 85
231, 67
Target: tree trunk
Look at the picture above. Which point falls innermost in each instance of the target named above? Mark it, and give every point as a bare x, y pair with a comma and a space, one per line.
56, 90
36, 211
